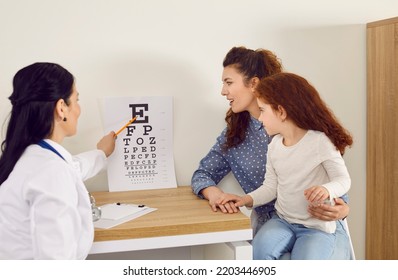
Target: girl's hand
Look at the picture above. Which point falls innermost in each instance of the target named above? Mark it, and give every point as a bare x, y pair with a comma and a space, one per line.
316, 194
228, 197
239, 201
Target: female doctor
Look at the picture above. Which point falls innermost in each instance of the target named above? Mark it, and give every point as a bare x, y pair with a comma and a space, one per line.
45, 211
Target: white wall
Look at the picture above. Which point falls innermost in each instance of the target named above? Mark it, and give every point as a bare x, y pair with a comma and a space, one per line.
176, 47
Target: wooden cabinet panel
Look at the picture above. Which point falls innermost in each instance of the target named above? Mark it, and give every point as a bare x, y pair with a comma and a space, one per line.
382, 140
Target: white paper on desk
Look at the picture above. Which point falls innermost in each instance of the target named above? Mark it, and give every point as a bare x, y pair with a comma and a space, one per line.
118, 211
113, 214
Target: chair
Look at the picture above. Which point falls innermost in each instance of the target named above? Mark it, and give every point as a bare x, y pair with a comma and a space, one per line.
345, 224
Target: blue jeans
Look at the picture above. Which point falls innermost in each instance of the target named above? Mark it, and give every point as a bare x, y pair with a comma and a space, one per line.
278, 237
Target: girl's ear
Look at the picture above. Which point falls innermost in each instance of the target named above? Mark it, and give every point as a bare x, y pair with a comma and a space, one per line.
282, 113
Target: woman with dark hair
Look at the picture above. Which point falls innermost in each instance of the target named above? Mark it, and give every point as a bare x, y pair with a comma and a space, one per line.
242, 146
45, 211
304, 167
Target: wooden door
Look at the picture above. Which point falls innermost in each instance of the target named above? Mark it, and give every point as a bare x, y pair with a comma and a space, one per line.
382, 140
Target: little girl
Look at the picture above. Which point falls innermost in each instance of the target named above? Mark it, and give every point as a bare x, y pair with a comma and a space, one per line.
304, 168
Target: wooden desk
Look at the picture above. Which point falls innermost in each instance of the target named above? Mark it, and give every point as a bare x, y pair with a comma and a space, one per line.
181, 219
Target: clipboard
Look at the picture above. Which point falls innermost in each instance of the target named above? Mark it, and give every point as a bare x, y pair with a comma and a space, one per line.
114, 214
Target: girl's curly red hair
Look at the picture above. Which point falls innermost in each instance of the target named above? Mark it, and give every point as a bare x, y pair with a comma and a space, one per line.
303, 106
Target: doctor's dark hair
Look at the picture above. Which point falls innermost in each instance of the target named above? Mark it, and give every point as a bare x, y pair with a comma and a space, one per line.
36, 90
258, 63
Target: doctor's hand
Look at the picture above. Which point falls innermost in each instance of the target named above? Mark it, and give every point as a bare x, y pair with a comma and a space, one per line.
107, 143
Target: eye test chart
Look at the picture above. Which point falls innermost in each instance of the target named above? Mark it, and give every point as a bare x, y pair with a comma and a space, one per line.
143, 156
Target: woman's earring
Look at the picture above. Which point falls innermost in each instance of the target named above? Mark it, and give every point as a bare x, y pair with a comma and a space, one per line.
64, 119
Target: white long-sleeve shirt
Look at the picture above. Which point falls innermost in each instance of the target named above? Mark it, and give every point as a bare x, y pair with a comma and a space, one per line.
45, 212
314, 160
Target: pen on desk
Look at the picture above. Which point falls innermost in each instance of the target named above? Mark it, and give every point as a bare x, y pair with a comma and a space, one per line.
140, 205
127, 124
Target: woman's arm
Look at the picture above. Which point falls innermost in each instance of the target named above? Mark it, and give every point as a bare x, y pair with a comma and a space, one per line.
212, 169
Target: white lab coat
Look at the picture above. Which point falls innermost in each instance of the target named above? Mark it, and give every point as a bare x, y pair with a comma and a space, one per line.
45, 211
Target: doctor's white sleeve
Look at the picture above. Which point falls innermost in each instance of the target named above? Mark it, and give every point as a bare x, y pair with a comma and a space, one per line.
91, 163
